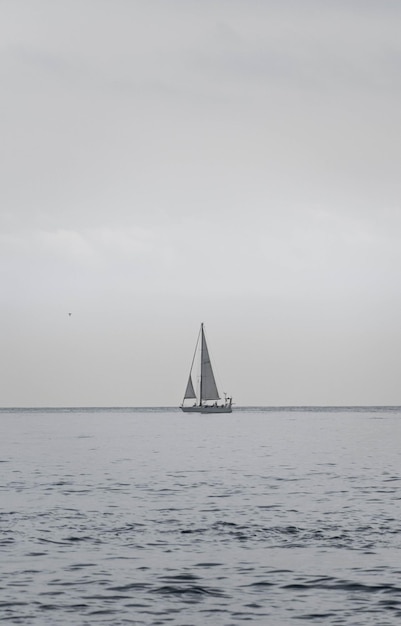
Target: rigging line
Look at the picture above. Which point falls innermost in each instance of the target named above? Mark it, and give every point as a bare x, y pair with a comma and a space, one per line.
193, 358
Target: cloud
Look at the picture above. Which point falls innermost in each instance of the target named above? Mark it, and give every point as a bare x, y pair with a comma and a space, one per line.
228, 161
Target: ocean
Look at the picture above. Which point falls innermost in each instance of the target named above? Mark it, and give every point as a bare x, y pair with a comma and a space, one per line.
268, 516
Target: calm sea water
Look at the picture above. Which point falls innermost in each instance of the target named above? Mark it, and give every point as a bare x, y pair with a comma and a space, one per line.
155, 517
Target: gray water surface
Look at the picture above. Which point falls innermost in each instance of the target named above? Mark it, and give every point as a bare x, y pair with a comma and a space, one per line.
128, 516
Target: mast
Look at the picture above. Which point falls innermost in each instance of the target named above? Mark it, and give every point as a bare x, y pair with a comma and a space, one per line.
201, 360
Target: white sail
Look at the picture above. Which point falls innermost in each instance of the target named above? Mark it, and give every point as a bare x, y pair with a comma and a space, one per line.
190, 391
208, 386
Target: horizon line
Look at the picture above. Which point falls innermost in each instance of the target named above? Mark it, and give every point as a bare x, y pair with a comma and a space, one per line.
177, 408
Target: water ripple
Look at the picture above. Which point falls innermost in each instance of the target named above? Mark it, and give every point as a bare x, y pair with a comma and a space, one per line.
155, 519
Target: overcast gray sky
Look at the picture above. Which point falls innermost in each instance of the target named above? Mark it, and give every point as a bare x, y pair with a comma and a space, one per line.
168, 162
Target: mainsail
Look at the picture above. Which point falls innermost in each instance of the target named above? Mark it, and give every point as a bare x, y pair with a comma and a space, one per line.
208, 389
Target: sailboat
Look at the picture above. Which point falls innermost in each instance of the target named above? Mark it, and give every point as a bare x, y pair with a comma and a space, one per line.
206, 391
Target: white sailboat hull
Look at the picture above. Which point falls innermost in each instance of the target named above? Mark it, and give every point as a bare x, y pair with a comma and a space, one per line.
216, 409
191, 409
206, 409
